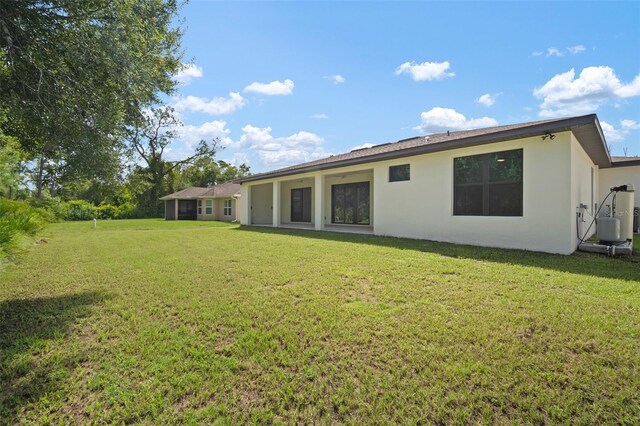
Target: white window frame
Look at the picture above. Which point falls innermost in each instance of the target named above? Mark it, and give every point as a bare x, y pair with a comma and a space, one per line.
227, 208
208, 207
199, 206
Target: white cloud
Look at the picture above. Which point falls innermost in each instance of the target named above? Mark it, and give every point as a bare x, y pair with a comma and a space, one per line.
215, 106
611, 133
303, 139
187, 73
552, 51
191, 135
273, 88
576, 49
629, 124
488, 99
565, 94
441, 119
237, 159
281, 151
631, 89
617, 134
321, 116
336, 79
426, 70
537, 53
363, 146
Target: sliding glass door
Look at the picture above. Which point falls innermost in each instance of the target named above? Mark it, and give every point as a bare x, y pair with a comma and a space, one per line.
301, 205
350, 203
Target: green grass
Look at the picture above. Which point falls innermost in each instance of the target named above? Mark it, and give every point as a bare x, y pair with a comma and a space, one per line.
194, 322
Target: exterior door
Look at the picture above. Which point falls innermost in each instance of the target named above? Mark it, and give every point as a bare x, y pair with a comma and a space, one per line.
301, 205
350, 203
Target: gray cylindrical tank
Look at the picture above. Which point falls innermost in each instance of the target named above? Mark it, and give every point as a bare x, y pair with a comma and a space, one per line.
609, 229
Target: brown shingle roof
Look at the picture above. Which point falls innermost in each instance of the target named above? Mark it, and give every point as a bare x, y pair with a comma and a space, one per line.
625, 161
227, 189
591, 139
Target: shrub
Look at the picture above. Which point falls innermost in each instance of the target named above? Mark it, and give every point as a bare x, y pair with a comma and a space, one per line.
106, 211
83, 210
18, 219
128, 211
80, 210
53, 206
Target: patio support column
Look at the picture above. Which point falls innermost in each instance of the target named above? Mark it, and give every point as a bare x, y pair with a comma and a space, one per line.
245, 204
276, 204
319, 203
175, 205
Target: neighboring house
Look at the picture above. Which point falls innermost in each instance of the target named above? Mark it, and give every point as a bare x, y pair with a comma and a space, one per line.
516, 186
218, 202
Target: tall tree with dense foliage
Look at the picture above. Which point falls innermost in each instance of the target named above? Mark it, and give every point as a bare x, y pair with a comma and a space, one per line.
75, 73
148, 140
206, 171
11, 164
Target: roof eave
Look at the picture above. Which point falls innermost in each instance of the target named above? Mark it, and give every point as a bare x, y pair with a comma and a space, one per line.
625, 163
531, 131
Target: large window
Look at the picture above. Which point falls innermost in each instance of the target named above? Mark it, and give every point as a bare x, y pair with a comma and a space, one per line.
227, 208
208, 206
350, 203
488, 184
399, 173
301, 205
199, 206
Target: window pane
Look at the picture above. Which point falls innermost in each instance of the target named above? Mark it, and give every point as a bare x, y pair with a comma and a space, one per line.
338, 204
468, 200
296, 205
505, 166
399, 173
306, 204
468, 169
349, 204
505, 199
363, 204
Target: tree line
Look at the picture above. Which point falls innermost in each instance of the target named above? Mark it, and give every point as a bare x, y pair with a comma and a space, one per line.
81, 111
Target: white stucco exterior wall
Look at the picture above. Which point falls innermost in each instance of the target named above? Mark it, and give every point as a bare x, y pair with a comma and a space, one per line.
261, 207
616, 176
556, 178
423, 207
584, 190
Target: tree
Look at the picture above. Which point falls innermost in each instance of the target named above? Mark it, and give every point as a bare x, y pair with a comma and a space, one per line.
148, 140
75, 73
11, 165
206, 171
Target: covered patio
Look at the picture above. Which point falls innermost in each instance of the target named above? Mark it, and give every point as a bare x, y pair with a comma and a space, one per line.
338, 202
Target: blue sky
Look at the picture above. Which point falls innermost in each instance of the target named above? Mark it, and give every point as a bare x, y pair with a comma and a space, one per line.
282, 82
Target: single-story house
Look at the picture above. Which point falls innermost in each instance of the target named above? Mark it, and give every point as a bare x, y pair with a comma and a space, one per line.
515, 186
217, 202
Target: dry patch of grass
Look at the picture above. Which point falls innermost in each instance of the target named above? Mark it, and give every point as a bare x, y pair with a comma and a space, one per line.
178, 322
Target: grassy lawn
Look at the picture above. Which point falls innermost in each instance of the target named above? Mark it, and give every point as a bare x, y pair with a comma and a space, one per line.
177, 322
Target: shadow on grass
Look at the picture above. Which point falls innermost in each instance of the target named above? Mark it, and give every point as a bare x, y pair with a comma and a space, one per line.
623, 268
28, 370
